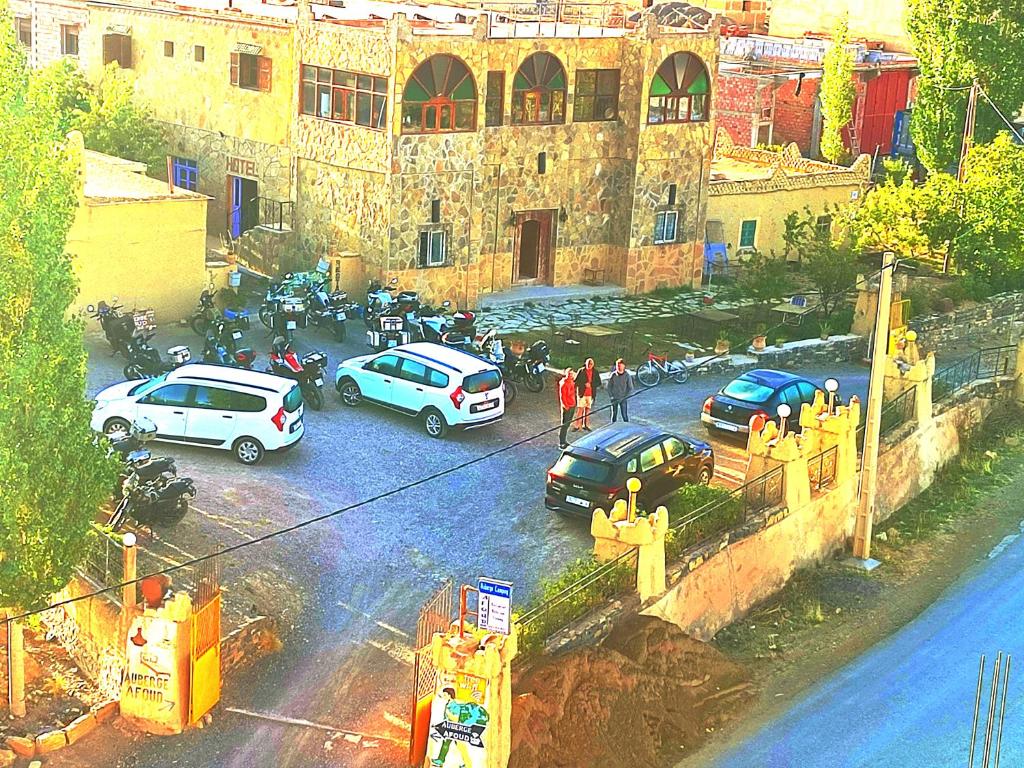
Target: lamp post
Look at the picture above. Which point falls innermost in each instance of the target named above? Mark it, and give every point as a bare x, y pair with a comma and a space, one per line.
784, 412
831, 386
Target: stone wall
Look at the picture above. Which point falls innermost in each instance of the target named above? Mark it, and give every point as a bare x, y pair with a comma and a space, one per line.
998, 317
46, 27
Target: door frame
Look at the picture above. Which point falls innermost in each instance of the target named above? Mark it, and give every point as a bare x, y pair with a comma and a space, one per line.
234, 212
546, 245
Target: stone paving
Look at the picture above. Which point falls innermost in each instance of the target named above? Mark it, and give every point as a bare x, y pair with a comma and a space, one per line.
591, 310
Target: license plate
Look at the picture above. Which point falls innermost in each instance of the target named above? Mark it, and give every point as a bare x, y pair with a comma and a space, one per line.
290, 325
537, 369
295, 426
319, 382
578, 501
236, 335
727, 426
485, 406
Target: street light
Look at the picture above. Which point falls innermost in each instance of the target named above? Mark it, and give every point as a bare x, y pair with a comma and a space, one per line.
784, 412
129, 539
831, 386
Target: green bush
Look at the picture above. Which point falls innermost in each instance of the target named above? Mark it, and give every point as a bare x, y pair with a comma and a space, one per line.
618, 580
690, 498
922, 301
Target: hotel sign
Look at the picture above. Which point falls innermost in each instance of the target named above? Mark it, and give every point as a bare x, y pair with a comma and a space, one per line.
249, 48
241, 166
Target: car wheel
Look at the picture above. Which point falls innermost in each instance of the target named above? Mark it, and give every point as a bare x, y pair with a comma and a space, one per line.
248, 450
705, 475
434, 423
117, 429
349, 392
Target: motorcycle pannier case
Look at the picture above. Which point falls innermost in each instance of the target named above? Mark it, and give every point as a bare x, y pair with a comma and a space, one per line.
179, 355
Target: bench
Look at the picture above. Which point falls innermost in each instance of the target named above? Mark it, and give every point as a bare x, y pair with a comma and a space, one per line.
593, 276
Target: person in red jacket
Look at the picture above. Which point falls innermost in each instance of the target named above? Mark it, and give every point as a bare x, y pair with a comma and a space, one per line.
567, 402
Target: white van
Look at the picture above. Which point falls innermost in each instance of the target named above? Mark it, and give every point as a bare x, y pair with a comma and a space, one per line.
445, 388
246, 412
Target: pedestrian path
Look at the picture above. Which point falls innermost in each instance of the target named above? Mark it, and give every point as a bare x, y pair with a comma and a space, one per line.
592, 310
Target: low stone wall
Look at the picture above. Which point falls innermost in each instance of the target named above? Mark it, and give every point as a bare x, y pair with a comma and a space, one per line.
1001, 315
719, 583
912, 456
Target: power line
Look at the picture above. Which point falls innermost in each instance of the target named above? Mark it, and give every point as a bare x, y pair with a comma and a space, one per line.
373, 499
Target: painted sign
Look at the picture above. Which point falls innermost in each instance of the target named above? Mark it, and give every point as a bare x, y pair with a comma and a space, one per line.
119, 29
240, 166
154, 691
495, 606
248, 48
458, 722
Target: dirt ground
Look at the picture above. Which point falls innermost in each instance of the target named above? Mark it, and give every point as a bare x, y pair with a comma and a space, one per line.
645, 696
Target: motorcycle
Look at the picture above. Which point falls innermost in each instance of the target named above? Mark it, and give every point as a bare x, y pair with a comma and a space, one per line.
378, 299
495, 352
205, 313
144, 361
428, 324
152, 496
118, 328
462, 333
528, 368
221, 346
389, 329
309, 371
328, 309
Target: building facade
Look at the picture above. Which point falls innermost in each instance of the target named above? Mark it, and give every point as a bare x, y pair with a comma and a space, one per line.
883, 21
463, 151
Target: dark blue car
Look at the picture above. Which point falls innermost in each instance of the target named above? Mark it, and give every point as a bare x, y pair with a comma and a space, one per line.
756, 392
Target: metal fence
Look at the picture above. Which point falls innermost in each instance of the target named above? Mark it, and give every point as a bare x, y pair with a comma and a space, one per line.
555, 18
899, 410
276, 214
988, 363
822, 468
103, 563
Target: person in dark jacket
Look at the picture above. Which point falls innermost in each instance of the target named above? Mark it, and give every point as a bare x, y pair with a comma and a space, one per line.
620, 387
587, 382
567, 402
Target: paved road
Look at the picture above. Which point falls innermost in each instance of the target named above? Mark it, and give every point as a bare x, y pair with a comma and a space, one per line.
908, 702
363, 575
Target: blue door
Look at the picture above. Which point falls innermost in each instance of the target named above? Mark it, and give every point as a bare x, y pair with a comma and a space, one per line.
235, 209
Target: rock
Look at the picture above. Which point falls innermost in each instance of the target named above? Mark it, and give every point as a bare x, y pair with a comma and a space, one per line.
1012, 441
7, 758
106, 711
81, 727
21, 746
882, 536
50, 741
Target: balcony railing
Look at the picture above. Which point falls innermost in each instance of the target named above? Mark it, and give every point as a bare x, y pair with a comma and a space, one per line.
276, 214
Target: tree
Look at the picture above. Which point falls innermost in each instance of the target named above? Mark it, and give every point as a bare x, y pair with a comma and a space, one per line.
115, 123
53, 472
956, 41
765, 277
829, 265
837, 92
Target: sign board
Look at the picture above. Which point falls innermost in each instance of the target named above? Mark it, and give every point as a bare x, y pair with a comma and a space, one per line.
494, 611
248, 48
458, 721
154, 692
241, 166
119, 29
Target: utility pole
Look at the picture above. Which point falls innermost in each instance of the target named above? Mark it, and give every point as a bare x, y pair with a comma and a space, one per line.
873, 425
972, 115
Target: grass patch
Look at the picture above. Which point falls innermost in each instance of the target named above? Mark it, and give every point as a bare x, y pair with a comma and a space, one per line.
723, 511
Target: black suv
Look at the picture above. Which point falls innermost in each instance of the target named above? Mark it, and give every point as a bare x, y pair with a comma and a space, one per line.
592, 472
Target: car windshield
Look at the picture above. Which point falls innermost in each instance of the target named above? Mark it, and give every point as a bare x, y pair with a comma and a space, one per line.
293, 399
748, 391
481, 382
147, 386
581, 469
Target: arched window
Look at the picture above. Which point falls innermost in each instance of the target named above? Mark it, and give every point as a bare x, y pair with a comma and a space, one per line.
679, 91
439, 97
538, 91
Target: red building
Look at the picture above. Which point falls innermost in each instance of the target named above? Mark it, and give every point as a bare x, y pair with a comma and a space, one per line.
768, 94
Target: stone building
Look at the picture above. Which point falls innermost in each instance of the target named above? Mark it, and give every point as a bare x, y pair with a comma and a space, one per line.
753, 190
464, 151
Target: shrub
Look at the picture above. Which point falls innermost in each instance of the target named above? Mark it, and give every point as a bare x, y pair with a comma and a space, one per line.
718, 511
921, 301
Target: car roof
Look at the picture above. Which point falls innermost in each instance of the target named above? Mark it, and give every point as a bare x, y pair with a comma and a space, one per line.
769, 378
198, 373
444, 357
618, 439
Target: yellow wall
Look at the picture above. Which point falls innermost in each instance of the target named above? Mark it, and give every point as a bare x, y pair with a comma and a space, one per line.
770, 209
150, 254
872, 19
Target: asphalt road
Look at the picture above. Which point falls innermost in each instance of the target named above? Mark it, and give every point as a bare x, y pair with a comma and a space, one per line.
362, 575
908, 703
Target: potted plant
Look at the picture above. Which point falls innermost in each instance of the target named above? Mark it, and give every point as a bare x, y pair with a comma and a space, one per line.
780, 342
826, 331
722, 345
760, 340
708, 299
689, 357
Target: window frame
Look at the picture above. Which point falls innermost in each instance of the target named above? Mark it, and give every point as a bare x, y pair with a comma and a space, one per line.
346, 91
423, 255
530, 104
124, 49
441, 112
661, 458
415, 378
67, 33
678, 106
753, 236
371, 366
594, 95
23, 29
185, 170
664, 216
186, 403
168, 49
684, 447
227, 394
823, 224
199, 53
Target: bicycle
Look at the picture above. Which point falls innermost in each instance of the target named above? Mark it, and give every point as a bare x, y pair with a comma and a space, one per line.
649, 374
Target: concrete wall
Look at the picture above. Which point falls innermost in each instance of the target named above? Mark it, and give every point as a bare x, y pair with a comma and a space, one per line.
150, 254
882, 20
